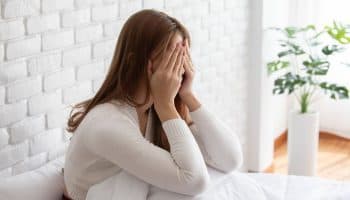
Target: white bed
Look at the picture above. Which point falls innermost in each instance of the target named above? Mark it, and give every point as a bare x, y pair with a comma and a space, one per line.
46, 183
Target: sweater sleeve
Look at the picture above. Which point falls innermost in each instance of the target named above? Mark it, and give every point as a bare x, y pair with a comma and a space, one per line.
219, 145
120, 141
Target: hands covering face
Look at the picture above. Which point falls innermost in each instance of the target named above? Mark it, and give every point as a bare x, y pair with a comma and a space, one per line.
172, 74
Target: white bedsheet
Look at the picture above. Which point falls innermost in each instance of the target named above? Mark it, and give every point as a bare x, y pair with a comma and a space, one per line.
300, 187
259, 186
46, 183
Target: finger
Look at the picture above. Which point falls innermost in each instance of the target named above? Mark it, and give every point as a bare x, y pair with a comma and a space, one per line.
179, 60
188, 63
181, 65
183, 68
187, 47
166, 58
173, 58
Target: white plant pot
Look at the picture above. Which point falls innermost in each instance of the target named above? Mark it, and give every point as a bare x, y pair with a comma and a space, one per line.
303, 134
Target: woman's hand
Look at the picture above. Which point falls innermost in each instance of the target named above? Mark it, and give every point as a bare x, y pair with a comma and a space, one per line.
186, 86
165, 82
185, 91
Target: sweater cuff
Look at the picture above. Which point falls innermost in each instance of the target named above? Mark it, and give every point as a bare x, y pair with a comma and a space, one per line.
199, 113
176, 127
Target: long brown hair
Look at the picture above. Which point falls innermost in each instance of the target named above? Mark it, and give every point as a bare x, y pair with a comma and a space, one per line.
144, 32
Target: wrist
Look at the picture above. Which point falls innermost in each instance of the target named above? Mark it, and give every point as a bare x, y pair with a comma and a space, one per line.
191, 101
166, 111
164, 105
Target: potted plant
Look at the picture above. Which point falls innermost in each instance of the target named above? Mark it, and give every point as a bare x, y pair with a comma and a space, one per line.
302, 63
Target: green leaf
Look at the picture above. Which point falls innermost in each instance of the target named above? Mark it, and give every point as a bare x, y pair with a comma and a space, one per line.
316, 66
291, 48
330, 49
288, 83
291, 31
335, 91
307, 28
276, 65
284, 53
339, 32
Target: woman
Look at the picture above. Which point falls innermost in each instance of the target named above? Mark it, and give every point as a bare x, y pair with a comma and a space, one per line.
145, 118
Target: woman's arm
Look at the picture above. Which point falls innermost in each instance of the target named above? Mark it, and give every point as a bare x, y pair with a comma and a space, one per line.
219, 145
183, 170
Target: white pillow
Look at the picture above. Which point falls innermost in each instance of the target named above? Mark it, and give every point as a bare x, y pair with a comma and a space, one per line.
44, 183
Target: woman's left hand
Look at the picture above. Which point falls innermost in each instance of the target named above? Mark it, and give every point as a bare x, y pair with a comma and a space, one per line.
186, 86
185, 91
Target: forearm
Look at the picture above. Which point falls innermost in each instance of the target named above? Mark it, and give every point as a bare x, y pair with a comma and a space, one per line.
166, 111
183, 170
220, 142
191, 101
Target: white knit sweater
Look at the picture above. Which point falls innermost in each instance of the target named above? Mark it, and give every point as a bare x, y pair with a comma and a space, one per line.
109, 140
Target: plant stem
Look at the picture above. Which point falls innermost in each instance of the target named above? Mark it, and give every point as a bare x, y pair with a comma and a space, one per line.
304, 103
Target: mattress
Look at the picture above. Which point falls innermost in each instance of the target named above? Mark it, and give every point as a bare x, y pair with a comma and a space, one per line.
46, 183
263, 186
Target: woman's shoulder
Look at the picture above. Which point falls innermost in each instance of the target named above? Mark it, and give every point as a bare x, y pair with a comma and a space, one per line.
105, 118
109, 111
111, 115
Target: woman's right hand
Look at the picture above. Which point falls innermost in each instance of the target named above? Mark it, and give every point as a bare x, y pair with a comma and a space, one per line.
165, 81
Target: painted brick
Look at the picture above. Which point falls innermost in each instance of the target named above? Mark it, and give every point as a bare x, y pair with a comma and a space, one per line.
30, 163
77, 93
49, 5
10, 113
156, 4
90, 71
44, 64
24, 89
59, 79
11, 29
88, 33
2, 53
105, 12
75, 18
103, 49
25, 47
2, 96
13, 154
26, 128
12, 71
113, 28
5, 173
44, 103
45, 141
19, 8
77, 56
87, 3
44, 23
57, 118
58, 39
4, 138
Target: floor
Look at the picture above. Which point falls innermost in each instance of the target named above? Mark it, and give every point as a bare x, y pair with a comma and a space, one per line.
333, 157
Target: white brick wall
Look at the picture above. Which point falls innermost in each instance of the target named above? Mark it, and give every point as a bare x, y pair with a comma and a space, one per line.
56, 53
43, 23
23, 47
11, 29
